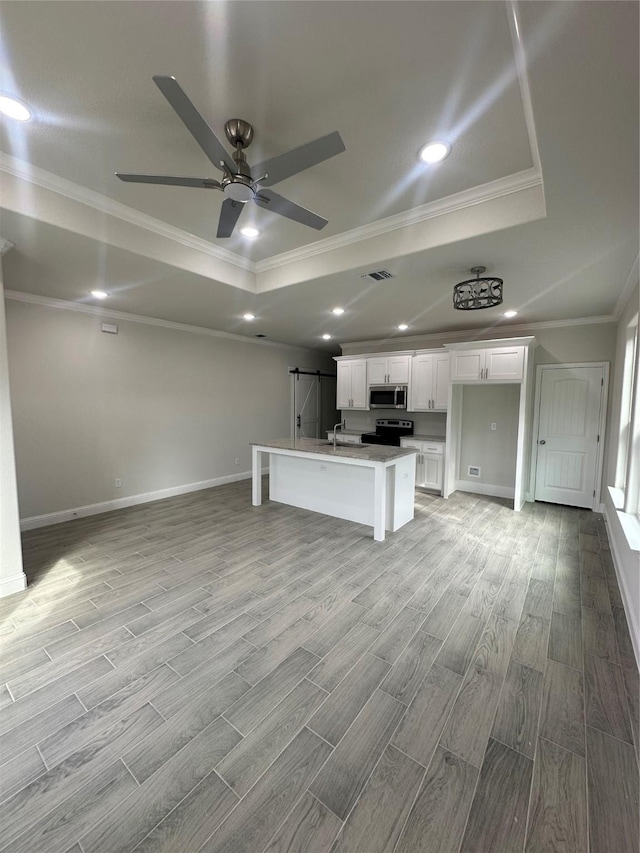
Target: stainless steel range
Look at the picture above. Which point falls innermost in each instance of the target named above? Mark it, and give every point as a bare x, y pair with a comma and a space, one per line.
388, 431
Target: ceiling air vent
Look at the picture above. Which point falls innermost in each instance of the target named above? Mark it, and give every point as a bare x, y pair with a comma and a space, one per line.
377, 275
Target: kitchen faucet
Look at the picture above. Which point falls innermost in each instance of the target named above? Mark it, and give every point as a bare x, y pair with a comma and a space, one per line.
342, 424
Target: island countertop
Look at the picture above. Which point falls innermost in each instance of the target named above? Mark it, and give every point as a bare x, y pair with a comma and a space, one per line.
364, 452
370, 484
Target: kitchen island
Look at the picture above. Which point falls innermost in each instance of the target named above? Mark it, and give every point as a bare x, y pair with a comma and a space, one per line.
368, 484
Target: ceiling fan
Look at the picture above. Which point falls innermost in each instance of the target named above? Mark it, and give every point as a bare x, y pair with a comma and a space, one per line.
241, 183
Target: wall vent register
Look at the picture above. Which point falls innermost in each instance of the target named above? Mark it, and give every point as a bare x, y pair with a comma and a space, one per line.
377, 275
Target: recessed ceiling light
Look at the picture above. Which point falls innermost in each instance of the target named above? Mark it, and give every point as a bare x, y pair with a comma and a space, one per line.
434, 152
326, 337
14, 109
99, 294
510, 313
250, 232
337, 310
249, 316
403, 327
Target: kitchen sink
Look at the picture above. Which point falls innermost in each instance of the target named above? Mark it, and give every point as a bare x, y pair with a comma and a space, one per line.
350, 444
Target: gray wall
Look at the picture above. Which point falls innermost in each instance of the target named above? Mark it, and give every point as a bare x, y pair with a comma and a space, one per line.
493, 450
582, 342
12, 577
156, 407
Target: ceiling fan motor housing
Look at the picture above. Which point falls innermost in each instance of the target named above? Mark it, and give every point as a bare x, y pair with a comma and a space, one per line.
239, 132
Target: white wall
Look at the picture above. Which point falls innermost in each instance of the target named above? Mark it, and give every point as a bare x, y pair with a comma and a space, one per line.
156, 407
12, 578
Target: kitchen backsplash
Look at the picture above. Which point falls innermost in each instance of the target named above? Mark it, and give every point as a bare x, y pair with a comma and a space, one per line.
425, 423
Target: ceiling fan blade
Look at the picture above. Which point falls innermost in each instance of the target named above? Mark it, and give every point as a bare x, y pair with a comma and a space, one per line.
229, 214
172, 180
195, 124
277, 204
298, 159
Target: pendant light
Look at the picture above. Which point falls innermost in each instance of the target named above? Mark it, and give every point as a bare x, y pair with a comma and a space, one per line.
475, 293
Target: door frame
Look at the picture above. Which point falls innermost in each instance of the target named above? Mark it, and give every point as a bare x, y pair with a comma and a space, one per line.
596, 503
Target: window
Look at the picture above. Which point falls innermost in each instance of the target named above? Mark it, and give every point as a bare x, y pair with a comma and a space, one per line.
628, 461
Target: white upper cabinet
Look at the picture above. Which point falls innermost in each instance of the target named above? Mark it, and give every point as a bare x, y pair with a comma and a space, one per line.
504, 363
389, 370
490, 364
429, 389
351, 384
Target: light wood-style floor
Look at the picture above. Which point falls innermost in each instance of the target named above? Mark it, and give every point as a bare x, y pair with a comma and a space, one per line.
201, 675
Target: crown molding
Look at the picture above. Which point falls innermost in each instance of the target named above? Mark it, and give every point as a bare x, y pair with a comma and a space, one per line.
630, 283
499, 188
79, 308
520, 58
473, 334
527, 179
75, 192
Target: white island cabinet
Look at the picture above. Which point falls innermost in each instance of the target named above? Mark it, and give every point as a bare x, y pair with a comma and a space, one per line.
368, 484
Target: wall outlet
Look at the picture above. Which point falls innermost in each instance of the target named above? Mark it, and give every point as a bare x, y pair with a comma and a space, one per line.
473, 471
493, 426
118, 483
237, 460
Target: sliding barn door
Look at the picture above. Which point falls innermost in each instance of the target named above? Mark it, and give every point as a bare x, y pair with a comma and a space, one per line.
306, 406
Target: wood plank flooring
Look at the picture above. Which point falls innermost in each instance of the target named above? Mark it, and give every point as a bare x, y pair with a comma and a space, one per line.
198, 675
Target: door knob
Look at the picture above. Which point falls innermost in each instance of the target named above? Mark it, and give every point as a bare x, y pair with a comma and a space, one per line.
542, 441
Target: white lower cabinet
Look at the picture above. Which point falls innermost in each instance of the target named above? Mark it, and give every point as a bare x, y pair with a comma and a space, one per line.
429, 462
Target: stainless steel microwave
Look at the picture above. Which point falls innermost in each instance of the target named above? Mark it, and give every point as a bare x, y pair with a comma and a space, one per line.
388, 397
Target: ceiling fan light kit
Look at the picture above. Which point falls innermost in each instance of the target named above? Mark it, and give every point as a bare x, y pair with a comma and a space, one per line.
238, 182
476, 293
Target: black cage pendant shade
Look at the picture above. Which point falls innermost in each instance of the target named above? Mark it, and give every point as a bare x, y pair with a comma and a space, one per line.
475, 293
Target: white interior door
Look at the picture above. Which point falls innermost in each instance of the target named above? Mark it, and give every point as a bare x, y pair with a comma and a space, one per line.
571, 402
306, 406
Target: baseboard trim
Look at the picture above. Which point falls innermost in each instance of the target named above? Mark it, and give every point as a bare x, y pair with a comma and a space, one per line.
13, 585
121, 503
485, 489
627, 599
